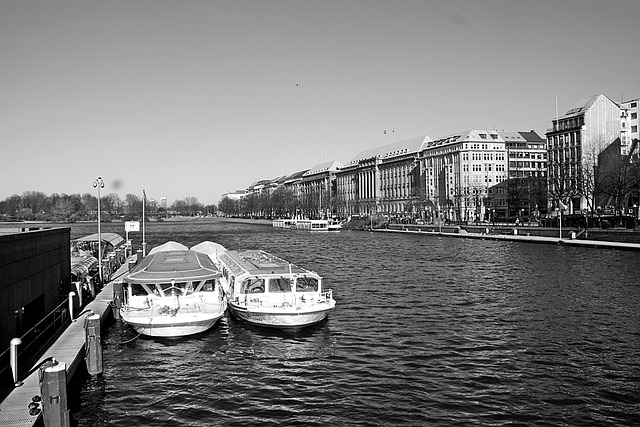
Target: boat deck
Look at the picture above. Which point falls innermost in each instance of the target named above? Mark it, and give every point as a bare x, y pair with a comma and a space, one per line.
68, 348
258, 262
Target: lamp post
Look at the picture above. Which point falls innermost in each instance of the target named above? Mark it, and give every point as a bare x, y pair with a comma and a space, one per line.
99, 183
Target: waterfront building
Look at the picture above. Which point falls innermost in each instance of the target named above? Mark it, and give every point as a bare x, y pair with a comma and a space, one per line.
235, 195
629, 128
317, 189
463, 173
574, 143
384, 180
36, 277
526, 186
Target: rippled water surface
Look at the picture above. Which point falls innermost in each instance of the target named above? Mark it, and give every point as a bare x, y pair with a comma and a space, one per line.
427, 331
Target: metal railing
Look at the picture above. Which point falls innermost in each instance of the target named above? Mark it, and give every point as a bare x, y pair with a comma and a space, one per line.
35, 339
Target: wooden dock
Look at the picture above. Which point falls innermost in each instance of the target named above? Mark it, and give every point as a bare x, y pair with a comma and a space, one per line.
68, 348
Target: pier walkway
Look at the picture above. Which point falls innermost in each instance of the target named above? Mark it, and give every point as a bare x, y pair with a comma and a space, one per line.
522, 238
68, 348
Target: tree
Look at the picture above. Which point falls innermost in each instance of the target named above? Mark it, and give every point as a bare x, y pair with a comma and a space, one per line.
615, 177
133, 207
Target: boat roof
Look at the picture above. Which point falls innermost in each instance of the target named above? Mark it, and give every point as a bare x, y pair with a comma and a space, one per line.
259, 262
112, 238
81, 265
214, 250
179, 265
169, 246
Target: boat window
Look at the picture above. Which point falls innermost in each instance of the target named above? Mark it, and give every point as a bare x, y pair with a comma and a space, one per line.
137, 289
189, 287
279, 284
306, 284
178, 288
209, 286
252, 286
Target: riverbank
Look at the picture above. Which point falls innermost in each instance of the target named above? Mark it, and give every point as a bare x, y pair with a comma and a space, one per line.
520, 238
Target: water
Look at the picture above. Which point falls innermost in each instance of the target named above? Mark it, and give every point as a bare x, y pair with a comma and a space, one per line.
427, 331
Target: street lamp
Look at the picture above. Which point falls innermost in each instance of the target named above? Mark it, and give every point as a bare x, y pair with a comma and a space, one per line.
99, 183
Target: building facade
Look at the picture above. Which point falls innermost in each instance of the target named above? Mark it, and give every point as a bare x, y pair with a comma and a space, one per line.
36, 277
384, 180
574, 144
629, 128
317, 190
526, 186
461, 172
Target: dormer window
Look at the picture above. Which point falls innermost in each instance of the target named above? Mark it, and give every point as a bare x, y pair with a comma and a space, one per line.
483, 135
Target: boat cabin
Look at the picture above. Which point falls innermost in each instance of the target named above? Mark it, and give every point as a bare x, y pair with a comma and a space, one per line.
256, 277
170, 274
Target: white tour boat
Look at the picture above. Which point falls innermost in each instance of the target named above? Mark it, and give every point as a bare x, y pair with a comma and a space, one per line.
312, 225
173, 292
284, 223
268, 291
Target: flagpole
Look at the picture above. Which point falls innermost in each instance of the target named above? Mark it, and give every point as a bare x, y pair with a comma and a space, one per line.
144, 242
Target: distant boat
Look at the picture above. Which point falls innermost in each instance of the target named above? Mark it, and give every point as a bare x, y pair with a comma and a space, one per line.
268, 291
334, 225
173, 292
284, 223
308, 224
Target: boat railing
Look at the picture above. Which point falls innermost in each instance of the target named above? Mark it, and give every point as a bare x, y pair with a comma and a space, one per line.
325, 296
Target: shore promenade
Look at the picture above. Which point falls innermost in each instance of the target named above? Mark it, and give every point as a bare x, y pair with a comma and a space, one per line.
504, 234
68, 348
520, 238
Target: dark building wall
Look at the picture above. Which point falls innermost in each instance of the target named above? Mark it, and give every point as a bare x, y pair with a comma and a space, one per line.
35, 274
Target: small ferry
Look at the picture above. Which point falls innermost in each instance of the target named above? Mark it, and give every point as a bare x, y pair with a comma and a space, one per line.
334, 225
173, 292
312, 225
265, 290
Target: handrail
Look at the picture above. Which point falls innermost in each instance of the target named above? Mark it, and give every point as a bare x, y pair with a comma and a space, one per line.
33, 338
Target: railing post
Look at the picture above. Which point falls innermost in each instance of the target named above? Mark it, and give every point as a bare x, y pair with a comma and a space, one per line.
118, 298
54, 396
79, 292
93, 345
71, 295
14, 360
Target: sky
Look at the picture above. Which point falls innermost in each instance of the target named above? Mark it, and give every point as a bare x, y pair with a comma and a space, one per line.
199, 98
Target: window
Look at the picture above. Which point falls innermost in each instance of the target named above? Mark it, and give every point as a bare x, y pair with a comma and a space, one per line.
280, 285
483, 135
306, 284
252, 286
634, 129
634, 105
634, 116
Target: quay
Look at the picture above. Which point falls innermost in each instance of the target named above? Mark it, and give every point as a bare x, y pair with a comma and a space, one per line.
462, 233
69, 348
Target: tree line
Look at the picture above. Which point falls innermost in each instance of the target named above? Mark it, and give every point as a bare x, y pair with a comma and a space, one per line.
38, 206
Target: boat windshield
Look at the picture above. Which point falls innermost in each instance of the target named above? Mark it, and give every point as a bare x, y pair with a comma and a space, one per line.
306, 284
209, 286
137, 289
279, 284
252, 285
180, 288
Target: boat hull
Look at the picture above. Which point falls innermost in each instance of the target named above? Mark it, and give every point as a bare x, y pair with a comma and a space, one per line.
169, 327
280, 318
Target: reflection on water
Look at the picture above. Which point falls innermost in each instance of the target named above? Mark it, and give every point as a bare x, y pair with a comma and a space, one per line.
426, 331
